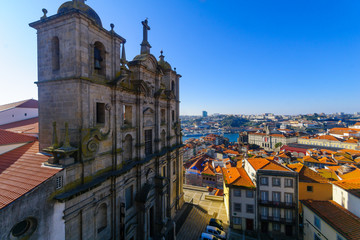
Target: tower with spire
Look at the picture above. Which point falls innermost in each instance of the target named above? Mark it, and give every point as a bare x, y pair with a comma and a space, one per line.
112, 125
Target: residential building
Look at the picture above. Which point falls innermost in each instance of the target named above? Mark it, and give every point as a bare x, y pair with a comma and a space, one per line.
328, 220
276, 197
311, 184
347, 194
240, 199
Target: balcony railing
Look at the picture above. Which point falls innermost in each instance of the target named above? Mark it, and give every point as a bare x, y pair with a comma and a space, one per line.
277, 219
278, 204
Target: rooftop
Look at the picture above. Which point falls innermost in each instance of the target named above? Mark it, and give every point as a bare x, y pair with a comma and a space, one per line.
306, 174
264, 164
236, 176
343, 221
7, 137
22, 170
29, 103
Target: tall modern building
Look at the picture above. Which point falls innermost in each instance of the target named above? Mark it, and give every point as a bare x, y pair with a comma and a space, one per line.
204, 114
110, 127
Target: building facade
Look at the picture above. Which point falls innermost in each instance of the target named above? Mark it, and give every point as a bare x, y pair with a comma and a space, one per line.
113, 128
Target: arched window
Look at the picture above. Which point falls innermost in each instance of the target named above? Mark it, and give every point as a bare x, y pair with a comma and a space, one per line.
101, 218
55, 49
128, 148
163, 139
99, 58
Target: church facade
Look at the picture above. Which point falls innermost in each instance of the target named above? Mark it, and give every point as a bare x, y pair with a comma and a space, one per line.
113, 128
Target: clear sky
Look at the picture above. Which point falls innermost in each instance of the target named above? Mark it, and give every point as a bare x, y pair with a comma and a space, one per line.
239, 56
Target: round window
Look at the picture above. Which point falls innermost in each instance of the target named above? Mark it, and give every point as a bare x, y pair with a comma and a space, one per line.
23, 228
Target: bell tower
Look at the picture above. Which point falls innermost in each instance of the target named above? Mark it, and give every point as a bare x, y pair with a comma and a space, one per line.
76, 58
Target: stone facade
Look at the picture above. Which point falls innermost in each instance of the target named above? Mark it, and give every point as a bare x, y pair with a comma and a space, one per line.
120, 154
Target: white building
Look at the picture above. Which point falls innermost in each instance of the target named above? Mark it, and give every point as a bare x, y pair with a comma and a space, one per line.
347, 194
328, 220
18, 111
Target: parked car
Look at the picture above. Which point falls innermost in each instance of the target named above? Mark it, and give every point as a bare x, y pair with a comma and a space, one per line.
208, 236
216, 232
216, 223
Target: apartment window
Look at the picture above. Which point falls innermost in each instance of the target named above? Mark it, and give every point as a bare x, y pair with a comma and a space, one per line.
276, 197
288, 214
237, 220
309, 188
129, 197
276, 182
276, 213
59, 182
264, 211
249, 208
148, 142
237, 193
289, 182
237, 207
288, 198
276, 227
264, 181
100, 113
249, 193
264, 196
25, 114
317, 222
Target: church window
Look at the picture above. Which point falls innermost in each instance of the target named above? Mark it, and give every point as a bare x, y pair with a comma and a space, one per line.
163, 139
173, 115
99, 58
162, 116
127, 111
100, 113
101, 218
164, 171
128, 147
174, 167
148, 142
129, 197
55, 49
173, 86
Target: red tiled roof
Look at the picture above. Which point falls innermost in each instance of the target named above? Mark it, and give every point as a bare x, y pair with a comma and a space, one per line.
342, 220
262, 163
352, 174
327, 137
7, 137
26, 126
350, 185
237, 177
306, 174
21, 171
29, 103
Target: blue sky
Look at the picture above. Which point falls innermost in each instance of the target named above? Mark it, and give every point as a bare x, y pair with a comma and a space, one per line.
240, 56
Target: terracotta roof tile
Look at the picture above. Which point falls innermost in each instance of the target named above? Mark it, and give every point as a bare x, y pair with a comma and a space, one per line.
342, 220
237, 177
21, 171
7, 138
262, 163
306, 174
28, 126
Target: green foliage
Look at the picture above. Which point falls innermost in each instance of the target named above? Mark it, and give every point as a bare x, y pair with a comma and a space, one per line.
279, 144
232, 121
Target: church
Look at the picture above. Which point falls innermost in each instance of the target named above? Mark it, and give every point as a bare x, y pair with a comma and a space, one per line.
109, 132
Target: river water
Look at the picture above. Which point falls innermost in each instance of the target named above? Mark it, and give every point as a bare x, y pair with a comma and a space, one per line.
231, 136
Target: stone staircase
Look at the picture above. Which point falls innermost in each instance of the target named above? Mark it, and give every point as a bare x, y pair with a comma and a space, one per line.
193, 222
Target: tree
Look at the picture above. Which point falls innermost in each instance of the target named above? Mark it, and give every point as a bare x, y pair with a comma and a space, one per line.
278, 145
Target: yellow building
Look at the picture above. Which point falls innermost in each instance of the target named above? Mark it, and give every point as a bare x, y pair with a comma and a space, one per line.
311, 184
